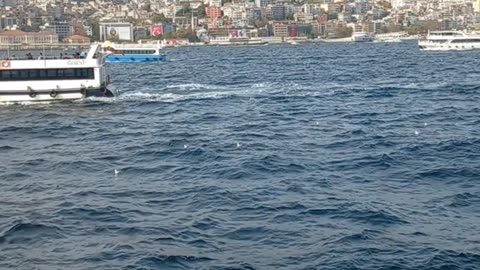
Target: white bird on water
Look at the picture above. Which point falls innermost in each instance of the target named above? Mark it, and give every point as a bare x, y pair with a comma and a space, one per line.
116, 172
238, 145
416, 132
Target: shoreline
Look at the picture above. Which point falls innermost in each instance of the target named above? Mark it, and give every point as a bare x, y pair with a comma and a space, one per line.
268, 41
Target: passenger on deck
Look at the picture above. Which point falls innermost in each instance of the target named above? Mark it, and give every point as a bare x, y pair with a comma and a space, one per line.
29, 56
40, 57
61, 55
83, 55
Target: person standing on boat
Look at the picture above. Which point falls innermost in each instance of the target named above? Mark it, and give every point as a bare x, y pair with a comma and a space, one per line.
83, 55
40, 57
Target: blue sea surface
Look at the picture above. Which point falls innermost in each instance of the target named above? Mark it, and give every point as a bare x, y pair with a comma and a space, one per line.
314, 156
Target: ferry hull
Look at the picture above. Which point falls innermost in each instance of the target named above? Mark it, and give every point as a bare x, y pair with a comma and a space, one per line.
53, 95
449, 41
119, 58
448, 48
238, 43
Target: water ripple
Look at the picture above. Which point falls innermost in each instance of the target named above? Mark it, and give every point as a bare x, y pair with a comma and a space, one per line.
316, 156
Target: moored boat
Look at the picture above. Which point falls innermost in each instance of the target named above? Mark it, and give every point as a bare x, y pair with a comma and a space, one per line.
49, 78
362, 37
449, 40
238, 41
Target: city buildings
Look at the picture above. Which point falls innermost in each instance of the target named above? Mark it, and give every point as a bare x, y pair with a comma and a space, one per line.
122, 20
33, 38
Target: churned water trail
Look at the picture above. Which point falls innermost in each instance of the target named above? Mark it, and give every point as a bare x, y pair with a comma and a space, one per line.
316, 156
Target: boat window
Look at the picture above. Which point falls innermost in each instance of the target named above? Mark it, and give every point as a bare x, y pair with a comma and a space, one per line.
136, 52
23, 74
5, 75
51, 73
69, 73
473, 40
47, 74
42, 73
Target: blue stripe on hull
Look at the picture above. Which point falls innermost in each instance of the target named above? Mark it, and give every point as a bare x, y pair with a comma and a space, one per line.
119, 58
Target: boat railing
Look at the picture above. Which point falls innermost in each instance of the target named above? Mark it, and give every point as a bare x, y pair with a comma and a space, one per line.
43, 57
135, 46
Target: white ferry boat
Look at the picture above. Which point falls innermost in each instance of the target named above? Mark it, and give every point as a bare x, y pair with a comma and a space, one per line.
362, 37
449, 40
133, 52
243, 41
46, 78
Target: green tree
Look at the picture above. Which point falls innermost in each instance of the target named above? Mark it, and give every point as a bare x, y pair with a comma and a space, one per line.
197, 12
95, 31
160, 18
333, 16
260, 23
147, 7
341, 31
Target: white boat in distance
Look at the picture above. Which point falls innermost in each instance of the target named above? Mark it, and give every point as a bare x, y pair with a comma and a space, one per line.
449, 40
362, 37
243, 41
133, 52
48, 78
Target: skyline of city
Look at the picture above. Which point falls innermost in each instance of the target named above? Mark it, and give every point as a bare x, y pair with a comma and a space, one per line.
197, 20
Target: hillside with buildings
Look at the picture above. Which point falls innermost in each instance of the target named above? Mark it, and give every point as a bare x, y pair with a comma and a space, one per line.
82, 21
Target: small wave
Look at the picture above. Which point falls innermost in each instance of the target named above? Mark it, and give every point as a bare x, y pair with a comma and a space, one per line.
357, 237
448, 259
7, 148
460, 200
102, 214
465, 200
172, 261
248, 234
449, 172
374, 217
28, 233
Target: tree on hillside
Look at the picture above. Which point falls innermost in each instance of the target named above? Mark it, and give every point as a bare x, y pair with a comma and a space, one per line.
260, 23
160, 18
341, 31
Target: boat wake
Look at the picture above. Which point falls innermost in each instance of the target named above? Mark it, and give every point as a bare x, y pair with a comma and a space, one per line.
198, 91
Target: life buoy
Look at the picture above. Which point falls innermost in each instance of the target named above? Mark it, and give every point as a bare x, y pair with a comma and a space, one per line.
5, 64
53, 93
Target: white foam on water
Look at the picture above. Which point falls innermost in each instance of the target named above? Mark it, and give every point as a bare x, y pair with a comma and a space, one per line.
193, 91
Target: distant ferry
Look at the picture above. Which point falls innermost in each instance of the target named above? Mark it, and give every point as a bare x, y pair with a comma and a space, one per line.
362, 37
125, 53
243, 41
449, 40
53, 78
